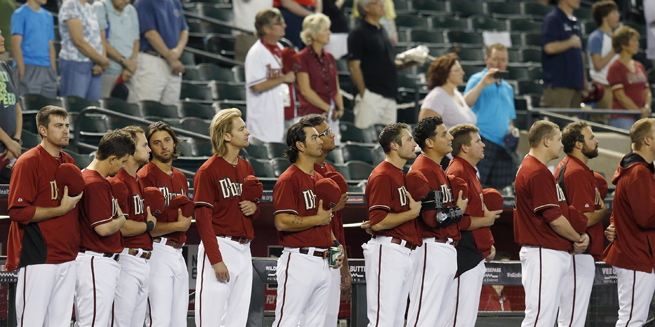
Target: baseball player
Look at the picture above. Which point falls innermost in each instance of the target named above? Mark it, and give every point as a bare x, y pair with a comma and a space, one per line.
633, 211
542, 228
44, 233
395, 235
101, 242
168, 284
341, 278
224, 221
303, 226
434, 264
131, 297
476, 243
578, 184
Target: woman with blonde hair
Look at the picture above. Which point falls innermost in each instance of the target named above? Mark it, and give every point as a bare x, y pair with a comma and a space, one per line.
318, 82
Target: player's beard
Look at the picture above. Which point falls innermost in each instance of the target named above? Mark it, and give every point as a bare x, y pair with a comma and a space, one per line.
589, 153
162, 159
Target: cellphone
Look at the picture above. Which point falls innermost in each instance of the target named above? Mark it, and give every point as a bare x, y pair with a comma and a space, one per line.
502, 74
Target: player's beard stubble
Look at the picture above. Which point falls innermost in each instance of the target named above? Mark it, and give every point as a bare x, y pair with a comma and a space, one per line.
590, 153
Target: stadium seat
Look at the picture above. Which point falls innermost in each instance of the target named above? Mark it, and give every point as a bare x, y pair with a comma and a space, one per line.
204, 148
156, 109
466, 8
588, 26
211, 11
516, 39
531, 55
467, 54
229, 92
197, 110
517, 73
520, 104
243, 153
513, 55
343, 170
348, 116
530, 88
196, 125
536, 9
335, 156
406, 81
74, 104
188, 59
190, 74
275, 150
437, 50
211, 72
220, 44
524, 25
228, 104
532, 39
195, 91
535, 73
377, 154
484, 23
449, 22
239, 74
462, 37
279, 165
94, 123
257, 151
29, 102
121, 106
429, 6
353, 151
426, 36
412, 21
503, 9
81, 160
208, 27
190, 164
342, 66
582, 13
30, 139
185, 147
350, 133
359, 169
402, 6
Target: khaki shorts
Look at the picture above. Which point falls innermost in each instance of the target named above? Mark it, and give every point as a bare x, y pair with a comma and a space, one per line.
373, 109
559, 97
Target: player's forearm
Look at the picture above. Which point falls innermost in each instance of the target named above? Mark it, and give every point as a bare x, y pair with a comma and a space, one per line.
479, 222
182, 41
563, 228
111, 227
267, 84
133, 228
53, 56
111, 52
165, 228
295, 223
19, 121
392, 220
45, 213
596, 216
16, 42
135, 50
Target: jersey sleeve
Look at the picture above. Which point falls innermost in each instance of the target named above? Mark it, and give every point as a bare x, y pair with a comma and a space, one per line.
98, 204
145, 11
256, 71
379, 201
122, 196
595, 43
251, 172
615, 76
25, 174
544, 193
640, 198
204, 192
285, 197
101, 13
550, 30
580, 192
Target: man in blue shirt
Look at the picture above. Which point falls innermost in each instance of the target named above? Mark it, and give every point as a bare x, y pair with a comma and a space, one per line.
33, 36
492, 101
164, 34
562, 58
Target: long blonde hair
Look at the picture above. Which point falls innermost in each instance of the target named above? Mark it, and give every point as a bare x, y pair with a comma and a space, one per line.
222, 124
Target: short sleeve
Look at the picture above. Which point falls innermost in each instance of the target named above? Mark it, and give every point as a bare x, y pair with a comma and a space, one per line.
472, 82
134, 17
355, 46
550, 30
380, 197
145, 11
101, 13
615, 76
434, 101
98, 204
23, 196
255, 68
70, 10
122, 196
595, 43
204, 192
304, 59
18, 23
285, 200
581, 192
544, 192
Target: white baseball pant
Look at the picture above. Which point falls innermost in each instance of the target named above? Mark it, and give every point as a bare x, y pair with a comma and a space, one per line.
388, 280
434, 266
543, 271
168, 291
97, 277
45, 293
635, 290
218, 300
464, 304
303, 283
334, 300
576, 290
131, 298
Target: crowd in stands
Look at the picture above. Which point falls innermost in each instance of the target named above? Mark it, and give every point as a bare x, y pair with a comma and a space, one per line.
112, 48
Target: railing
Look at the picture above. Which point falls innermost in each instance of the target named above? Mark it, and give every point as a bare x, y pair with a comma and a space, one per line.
560, 113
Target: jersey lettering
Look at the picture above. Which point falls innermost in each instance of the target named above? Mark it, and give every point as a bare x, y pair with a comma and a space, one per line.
54, 191
114, 207
560, 194
273, 72
168, 195
138, 205
310, 199
402, 195
230, 189
447, 194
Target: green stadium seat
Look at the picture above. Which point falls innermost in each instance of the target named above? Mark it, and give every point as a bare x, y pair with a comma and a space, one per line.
196, 125
211, 11
462, 37
275, 150
359, 169
353, 151
156, 109
220, 44
279, 165
228, 92
531, 55
185, 147
406, 81
188, 58
412, 21
121, 106
377, 154
348, 116
190, 74
204, 148
335, 156
81, 160
208, 27
484, 23
211, 72
429, 6
426, 36
513, 55
467, 54
532, 39
583, 13
524, 25
343, 170
74, 104
588, 26
197, 110
466, 8
518, 73
536, 9
29, 102
503, 9
94, 123
530, 88
195, 91
350, 133
516, 38
449, 22
30, 139
257, 151
520, 104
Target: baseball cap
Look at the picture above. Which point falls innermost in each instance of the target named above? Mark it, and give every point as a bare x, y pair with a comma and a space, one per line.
153, 198
69, 175
458, 184
252, 190
328, 191
417, 185
338, 178
182, 202
602, 185
492, 199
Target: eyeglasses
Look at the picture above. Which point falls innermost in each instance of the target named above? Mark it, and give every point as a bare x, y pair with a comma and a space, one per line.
326, 133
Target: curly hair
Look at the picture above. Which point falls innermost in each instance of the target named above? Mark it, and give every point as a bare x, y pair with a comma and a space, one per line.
296, 133
622, 37
426, 129
571, 134
439, 70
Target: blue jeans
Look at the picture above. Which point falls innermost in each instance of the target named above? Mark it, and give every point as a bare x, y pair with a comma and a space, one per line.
622, 122
77, 79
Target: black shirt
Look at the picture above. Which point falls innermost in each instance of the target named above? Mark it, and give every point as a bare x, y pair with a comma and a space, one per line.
371, 45
7, 102
338, 19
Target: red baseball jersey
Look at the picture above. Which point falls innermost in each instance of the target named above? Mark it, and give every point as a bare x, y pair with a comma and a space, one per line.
537, 192
336, 224
386, 193
464, 170
32, 185
98, 207
170, 186
634, 215
581, 191
294, 194
438, 181
127, 192
217, 185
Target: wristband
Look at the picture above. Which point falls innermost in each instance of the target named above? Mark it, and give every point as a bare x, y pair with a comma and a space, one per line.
17, 140
149, 226
336, 243
122, 61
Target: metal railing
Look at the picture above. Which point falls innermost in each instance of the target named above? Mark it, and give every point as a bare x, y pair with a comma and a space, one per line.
561, 113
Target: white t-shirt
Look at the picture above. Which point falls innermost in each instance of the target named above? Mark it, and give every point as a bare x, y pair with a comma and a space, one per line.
649, 14
265, 110
439, 101
600, 43
245, 12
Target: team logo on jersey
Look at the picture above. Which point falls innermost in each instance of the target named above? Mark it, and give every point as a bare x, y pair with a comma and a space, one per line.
273, 72
138, 205
560, 194
54, 191
168, 195
230, 189
310, 199
447, 193
402, 195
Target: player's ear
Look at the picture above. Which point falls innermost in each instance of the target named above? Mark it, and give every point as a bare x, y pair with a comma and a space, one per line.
227, 137
300, 146
394, 146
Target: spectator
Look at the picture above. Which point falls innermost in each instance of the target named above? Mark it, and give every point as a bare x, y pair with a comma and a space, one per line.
33, 36
82, 58
628, 79
373, 67
294, 11
338, 45
562, 57
444, 100
388, 21
266, 91
649, 15
492, 101
11, 124
318, 80
244, 18
492, 297
119, 26
164, 34
7, 8
601, 53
